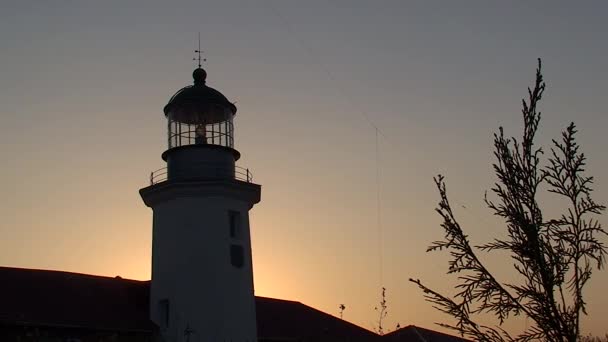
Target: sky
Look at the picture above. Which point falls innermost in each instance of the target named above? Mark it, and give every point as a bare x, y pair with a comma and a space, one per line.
83, 84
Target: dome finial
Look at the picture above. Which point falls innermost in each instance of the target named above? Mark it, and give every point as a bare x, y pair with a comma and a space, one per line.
200, 76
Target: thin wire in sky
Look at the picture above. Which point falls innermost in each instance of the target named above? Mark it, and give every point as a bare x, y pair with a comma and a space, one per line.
313, 56
379, 214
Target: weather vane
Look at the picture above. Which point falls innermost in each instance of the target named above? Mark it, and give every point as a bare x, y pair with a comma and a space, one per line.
200, 59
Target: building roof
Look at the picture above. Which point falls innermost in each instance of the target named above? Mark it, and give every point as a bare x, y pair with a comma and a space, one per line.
62, 299
52, 298
286, 320
414, 333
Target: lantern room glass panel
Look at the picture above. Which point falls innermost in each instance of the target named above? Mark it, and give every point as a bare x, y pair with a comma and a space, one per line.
197, 124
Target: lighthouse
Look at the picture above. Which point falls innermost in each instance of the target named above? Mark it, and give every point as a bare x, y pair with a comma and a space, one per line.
202, 277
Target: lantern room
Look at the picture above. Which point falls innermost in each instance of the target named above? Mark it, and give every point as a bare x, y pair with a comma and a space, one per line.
200, 115
200, 132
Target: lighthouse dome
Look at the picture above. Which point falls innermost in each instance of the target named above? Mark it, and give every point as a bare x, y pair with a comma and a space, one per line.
199, 103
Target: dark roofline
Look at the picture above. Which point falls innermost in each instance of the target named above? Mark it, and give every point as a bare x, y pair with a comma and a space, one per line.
307, 307
40, 270
324, 313
279, 300
25, 292
28, 302
118, 278
418, 330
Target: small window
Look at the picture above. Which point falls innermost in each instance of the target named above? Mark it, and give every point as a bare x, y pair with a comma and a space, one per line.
234, 218
163, 307
237, 257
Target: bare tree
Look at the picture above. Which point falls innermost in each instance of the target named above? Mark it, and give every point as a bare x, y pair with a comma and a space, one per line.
554, 257
382, 311
342, 307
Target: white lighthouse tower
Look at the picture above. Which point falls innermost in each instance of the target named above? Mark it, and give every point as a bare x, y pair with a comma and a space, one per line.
202, 278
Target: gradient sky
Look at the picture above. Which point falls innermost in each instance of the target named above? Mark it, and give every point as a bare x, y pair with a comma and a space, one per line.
83, 83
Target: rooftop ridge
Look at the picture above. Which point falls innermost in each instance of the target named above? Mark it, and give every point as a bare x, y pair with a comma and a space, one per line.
38, 270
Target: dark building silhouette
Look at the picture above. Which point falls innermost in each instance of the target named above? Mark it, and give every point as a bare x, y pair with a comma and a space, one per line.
40, 305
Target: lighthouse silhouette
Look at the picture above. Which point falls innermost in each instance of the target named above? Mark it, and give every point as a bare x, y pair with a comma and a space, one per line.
202, 277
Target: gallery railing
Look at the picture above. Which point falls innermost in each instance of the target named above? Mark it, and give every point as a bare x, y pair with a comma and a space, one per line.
211, 171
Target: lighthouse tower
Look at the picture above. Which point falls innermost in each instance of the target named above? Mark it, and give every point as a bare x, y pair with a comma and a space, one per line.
202, 278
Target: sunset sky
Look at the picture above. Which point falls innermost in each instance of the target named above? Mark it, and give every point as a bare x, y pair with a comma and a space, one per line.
83, 84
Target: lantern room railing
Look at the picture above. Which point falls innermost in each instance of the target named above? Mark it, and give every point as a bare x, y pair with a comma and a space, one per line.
212, 171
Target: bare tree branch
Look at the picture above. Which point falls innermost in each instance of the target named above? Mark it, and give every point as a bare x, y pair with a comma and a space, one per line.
554, 258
